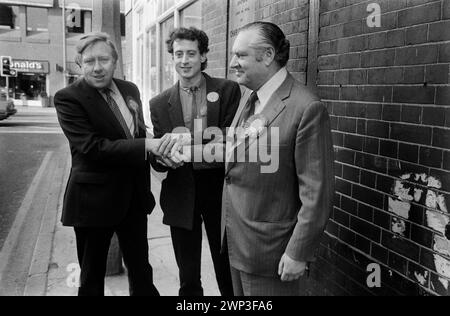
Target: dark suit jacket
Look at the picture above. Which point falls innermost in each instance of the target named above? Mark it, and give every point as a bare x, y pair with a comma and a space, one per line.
178, 189
268, 214
109, 172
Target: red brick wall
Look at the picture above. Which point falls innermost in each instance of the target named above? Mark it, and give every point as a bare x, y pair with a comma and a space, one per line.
387, 90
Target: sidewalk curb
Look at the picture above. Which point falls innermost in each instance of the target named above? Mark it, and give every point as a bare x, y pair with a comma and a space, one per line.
36, 284
19, 222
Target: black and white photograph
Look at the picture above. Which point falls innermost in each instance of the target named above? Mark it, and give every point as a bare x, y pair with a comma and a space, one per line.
225, 153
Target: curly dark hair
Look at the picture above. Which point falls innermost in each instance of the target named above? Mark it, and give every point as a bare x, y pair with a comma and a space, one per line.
275, 37
190, 34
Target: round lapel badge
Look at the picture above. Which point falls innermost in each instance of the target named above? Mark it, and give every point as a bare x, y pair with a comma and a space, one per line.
213, 97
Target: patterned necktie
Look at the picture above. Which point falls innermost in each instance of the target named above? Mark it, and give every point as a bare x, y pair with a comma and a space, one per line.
249, 109
115, 108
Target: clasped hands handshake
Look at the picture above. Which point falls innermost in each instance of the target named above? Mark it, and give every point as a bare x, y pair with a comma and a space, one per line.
169, 149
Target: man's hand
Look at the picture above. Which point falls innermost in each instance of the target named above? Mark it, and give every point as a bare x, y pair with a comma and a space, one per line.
170, 163
291, 270
171, 144
152, 145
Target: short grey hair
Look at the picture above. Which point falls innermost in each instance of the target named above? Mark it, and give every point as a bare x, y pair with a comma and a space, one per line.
90, 39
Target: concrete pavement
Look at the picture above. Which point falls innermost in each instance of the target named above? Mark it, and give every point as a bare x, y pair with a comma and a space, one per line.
62, 274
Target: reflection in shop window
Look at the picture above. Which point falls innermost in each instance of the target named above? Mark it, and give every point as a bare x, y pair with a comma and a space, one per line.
167, 65
9, 17
191, 16
37, 20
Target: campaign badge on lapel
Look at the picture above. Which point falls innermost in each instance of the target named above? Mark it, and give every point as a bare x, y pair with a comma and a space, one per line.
133, 105
213, 97
255, 126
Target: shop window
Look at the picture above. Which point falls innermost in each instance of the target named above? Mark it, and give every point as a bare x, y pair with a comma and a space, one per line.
37, 20
191, 16
29, 86
153, 66
139, 65
167, 65
9, 17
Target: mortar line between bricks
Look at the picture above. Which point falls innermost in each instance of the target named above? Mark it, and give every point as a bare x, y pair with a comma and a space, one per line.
385, 229
14, 233
393, 85
370, 1
387, 212
398, 123
48, 222
387, 157
376, 68
377, 103
368, 256
364, 19
403, 28
390, 194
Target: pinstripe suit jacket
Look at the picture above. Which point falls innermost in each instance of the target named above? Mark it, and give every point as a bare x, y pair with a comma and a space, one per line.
268, 214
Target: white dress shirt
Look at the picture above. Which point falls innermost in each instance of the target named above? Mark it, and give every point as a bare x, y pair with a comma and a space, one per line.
126, 114
269, 88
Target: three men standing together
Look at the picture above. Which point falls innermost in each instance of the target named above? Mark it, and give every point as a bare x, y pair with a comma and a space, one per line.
265, 229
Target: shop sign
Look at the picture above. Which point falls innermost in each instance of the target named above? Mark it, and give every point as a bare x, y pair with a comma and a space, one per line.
30, 66
242, 12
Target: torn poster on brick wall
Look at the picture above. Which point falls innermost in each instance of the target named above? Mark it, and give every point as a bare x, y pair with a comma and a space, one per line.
423, 190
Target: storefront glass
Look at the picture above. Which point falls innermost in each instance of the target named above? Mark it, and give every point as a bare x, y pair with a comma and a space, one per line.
29, 86
153, 65
139, 64
167, 66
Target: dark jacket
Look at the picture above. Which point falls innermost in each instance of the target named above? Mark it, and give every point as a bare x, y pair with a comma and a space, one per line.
109, 171
178, 189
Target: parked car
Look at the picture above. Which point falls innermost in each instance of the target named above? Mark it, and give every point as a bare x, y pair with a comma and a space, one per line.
6, 107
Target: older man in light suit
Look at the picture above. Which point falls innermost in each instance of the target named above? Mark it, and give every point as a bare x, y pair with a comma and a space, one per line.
272, 221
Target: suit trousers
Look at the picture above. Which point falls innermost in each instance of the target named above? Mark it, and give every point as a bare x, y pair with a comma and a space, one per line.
187, 244
93, 245
245, 284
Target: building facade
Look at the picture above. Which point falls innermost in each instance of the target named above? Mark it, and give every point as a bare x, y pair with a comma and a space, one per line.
382, 69
40, 38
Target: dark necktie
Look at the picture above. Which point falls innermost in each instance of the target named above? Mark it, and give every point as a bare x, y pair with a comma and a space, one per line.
115, 108
249, 109
194, 107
